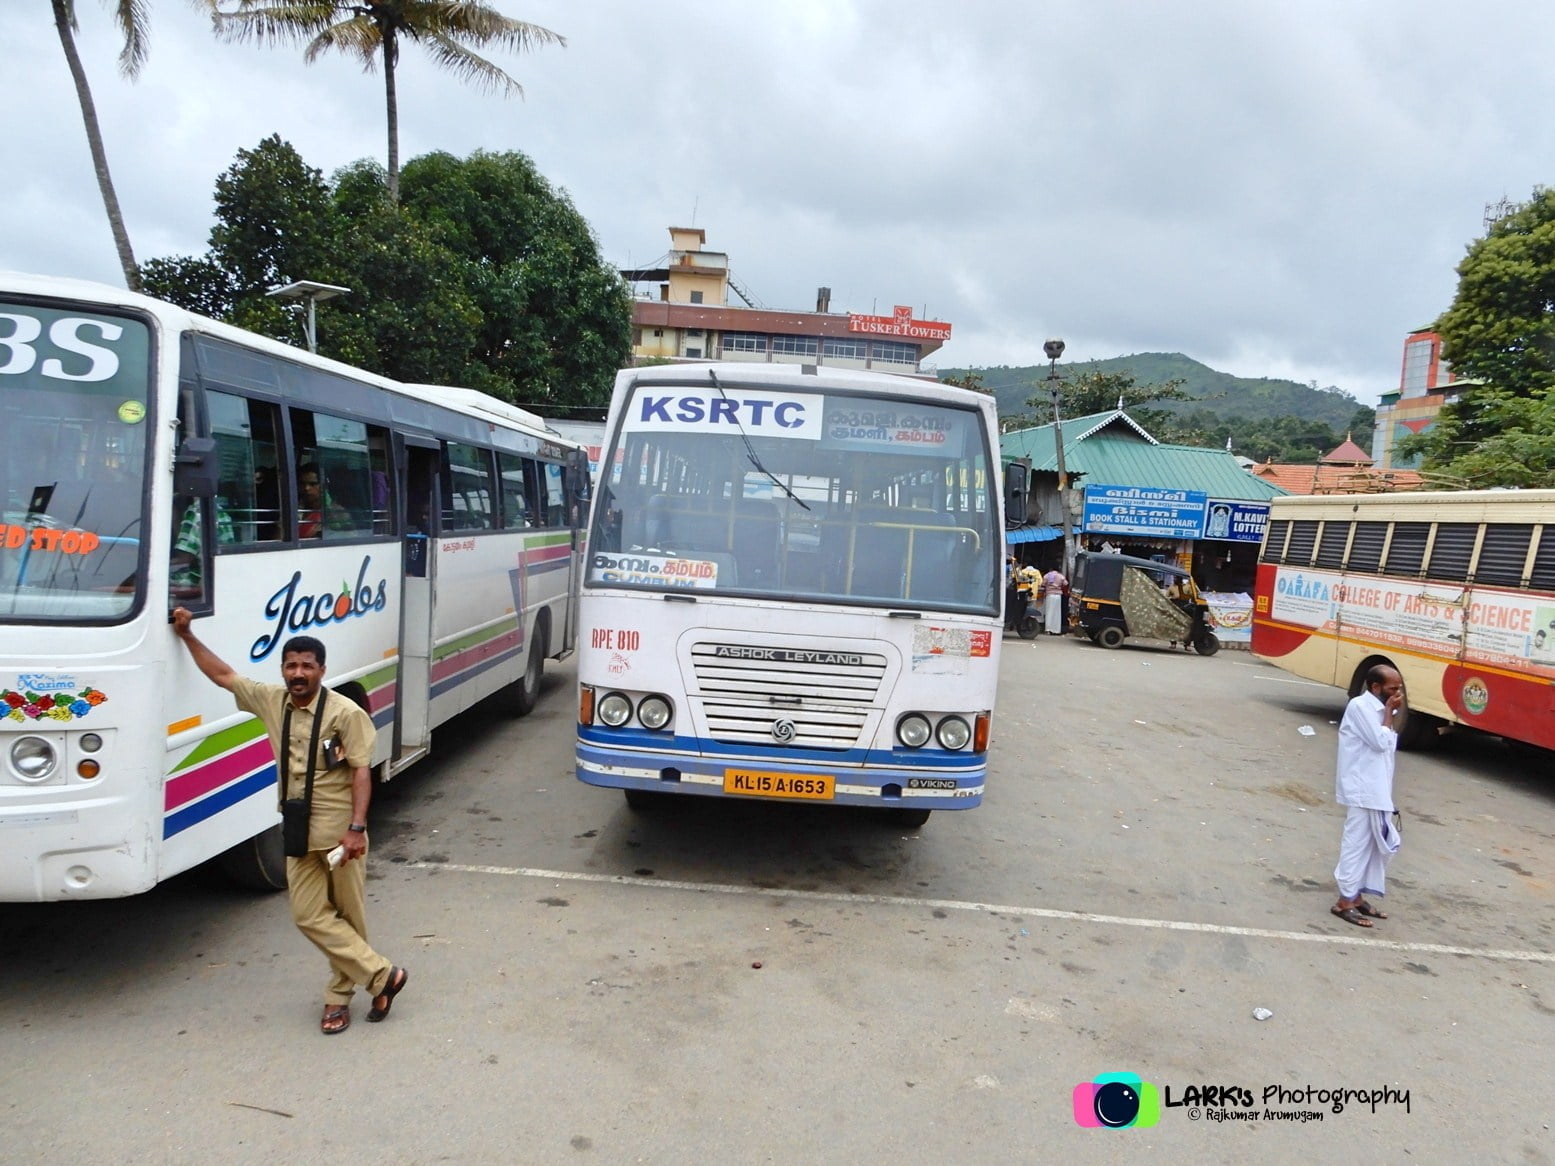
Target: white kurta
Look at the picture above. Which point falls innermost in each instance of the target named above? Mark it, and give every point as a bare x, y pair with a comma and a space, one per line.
1364, 775
1364, 782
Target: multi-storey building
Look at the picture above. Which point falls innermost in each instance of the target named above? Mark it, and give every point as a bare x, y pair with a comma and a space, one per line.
690, 318
1425, 385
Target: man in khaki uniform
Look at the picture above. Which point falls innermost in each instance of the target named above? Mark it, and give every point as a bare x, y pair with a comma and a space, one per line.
328, 905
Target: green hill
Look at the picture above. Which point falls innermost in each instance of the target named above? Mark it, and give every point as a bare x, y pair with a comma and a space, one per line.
1228, 397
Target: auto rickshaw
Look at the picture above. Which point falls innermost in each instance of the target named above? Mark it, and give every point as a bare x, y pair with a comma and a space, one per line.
1028, 583
1117, 596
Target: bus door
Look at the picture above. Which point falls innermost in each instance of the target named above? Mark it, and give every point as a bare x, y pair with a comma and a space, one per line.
579, 495
422, 503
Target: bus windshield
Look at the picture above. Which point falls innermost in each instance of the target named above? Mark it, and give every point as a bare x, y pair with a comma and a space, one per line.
846, 498
74, 419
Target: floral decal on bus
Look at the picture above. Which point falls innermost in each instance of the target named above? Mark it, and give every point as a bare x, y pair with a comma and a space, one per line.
55, 706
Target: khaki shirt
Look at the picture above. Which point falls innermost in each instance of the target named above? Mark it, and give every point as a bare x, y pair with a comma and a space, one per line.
344, 721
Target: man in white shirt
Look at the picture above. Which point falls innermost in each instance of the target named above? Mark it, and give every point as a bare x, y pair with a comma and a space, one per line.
1368, 741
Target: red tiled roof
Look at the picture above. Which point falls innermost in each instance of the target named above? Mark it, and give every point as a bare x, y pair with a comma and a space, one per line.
1347, 453
1337, 479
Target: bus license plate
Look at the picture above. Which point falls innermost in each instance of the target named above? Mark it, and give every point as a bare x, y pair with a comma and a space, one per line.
761, 784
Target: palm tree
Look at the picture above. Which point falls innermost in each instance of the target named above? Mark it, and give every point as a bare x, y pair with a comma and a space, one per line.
132, 16
371, 29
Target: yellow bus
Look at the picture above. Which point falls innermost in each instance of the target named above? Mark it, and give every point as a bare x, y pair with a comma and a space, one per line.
1455, 590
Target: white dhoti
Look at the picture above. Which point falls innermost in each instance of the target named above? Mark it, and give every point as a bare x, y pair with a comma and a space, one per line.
1053, 613
1367, 845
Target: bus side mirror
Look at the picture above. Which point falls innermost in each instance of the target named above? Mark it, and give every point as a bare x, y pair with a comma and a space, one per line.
196, 469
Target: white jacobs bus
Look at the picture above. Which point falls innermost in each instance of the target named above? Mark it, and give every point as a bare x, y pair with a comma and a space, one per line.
150, 458
793, 589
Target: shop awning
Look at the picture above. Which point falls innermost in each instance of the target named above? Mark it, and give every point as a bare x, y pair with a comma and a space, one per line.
1032, 534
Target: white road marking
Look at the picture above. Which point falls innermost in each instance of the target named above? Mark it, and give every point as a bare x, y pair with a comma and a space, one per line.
1292, 680
1002, 909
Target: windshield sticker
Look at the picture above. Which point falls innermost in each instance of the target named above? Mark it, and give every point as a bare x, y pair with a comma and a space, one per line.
896, 429
132, 412
51, 706
47, 538
732, 411
659, 570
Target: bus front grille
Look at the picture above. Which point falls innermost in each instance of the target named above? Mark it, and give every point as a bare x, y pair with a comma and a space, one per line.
826, 696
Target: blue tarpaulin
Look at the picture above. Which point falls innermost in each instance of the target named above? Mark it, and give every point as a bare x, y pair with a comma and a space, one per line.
1032, 534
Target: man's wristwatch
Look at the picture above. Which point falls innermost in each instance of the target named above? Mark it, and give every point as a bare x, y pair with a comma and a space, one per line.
357, 828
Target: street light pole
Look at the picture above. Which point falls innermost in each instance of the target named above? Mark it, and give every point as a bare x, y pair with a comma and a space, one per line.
312, 292
1055, 349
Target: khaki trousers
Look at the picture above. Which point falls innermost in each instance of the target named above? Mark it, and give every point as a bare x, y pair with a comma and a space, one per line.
329, 907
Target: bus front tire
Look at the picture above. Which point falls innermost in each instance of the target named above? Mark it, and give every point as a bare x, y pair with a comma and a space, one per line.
258, 863
642, 801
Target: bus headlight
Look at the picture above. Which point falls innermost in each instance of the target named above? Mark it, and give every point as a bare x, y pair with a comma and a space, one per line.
654, 711
614, 709
914, 731
954, 733
33, 759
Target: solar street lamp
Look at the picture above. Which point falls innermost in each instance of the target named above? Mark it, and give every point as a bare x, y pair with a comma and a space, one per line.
312, 293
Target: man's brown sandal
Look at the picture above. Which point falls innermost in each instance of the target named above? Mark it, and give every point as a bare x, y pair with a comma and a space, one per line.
337, 1018
391, 988
1350, 915
1368, 910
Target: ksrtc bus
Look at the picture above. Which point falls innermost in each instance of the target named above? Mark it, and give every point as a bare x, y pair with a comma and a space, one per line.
793, 589
149, 458
1455, 590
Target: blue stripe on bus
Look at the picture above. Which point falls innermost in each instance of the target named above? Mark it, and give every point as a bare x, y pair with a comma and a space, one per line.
459, 678
658, 744
228, 796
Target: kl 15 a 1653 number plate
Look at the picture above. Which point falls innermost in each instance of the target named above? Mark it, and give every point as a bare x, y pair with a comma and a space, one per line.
761, 784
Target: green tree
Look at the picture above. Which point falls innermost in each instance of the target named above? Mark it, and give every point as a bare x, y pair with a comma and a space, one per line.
372, 30
1098, 391
133, 18
483, 276
1499, 334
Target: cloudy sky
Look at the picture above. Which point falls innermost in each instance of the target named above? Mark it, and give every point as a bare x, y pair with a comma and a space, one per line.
1275, 189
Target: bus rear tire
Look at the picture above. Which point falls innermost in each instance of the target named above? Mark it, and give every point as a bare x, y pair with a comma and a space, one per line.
258, 863
1110, 636
1420, 731
526, 689
908, 819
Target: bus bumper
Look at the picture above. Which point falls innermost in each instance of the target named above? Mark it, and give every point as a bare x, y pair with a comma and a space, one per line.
893, 785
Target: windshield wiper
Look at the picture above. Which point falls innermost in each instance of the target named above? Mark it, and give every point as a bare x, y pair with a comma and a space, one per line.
750, 450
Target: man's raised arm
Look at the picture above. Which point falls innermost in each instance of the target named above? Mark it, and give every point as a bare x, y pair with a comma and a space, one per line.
216, 670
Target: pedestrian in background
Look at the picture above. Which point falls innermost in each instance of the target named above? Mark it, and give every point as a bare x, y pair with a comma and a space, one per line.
312, 729
1368, 743
1054, 588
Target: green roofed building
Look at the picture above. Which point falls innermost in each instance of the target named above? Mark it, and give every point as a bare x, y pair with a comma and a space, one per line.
1198, 508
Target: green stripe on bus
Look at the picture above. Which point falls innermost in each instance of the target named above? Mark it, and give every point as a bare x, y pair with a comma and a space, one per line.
221, 742
473, 638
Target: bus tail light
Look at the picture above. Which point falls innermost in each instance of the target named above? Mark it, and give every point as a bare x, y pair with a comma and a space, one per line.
585, 705
980, 733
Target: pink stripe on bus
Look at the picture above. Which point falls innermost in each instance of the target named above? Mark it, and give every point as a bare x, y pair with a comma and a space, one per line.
202, 779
